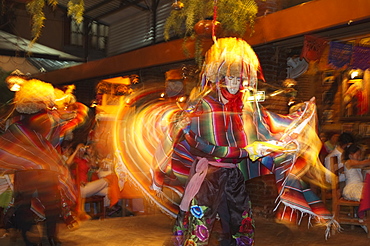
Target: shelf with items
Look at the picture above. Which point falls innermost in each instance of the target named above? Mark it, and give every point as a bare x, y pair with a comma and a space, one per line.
355, 103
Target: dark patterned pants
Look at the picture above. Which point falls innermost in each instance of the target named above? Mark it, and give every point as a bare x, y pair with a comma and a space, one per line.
222, 192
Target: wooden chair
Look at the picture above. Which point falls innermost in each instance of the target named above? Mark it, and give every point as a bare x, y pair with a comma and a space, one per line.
98, 202
344, 211
326, 195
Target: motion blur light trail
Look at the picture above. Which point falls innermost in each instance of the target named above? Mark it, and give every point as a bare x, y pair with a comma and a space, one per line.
138, 130
290, 141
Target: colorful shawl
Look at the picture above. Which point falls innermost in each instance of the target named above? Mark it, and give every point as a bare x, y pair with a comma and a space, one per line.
292, 156
30, 143
153, 153
24, 149
286, 145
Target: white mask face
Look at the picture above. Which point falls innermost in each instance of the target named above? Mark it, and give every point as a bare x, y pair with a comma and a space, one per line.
232, 84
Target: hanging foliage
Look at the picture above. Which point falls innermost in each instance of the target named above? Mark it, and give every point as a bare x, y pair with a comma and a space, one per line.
36, 9
76, 9
235, 17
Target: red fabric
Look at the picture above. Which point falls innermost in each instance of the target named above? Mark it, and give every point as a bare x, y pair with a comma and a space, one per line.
234, 103
81, 170
233, 106
94, 176
365, 199
114, 192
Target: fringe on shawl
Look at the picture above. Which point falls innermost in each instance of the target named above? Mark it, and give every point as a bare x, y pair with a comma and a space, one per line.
328, 221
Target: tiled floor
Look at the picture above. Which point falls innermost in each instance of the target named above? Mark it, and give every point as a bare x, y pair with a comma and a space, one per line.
154, 230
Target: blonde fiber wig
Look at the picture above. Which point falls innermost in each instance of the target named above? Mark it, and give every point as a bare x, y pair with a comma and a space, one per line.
230, 57
34, 96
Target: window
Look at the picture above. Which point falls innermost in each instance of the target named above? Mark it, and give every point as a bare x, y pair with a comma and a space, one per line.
76, 33
98, 35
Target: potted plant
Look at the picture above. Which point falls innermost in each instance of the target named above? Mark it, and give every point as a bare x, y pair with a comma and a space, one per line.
234, 18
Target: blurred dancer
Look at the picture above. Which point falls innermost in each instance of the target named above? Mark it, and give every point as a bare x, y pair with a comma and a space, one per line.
224, 133
28, 149
216, 139
45, 184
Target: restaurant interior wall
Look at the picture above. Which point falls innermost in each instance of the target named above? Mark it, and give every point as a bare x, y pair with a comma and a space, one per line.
325, 82
331, 85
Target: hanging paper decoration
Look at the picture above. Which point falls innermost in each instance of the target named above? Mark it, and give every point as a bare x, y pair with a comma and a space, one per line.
313, 47
339, 54
361, 57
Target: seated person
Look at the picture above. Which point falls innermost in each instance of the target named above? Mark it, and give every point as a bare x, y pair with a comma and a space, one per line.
344, 140
353, 166
331, 143
84, 169
68, 152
